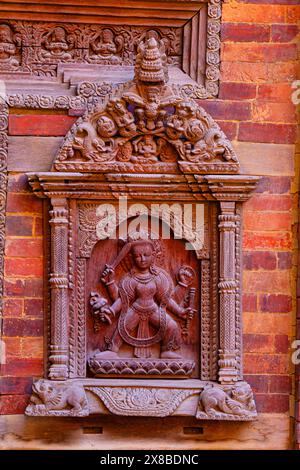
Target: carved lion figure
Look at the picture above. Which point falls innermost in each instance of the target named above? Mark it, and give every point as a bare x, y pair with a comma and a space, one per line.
47, 397
215, 401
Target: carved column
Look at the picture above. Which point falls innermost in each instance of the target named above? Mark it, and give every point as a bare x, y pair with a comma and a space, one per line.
227, 289
59, 290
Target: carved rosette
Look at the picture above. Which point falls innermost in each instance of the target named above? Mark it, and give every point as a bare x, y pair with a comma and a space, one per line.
59, 284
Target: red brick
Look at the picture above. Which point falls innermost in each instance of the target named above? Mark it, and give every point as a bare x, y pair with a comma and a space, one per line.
267, 323
277, 282
249, 303
266, 363
264, 221
24, 248
258, 343
282, 344
229, 128
274, 185
267, 240
248, 13
18, 183
13, 307
33, 347
244, 32
12, 347
259, 383
255, 260
33, 307
293, 14
43, 125
25, 267
258, 73
13, 404
283, 32
277, 92
22, 327
260, 202
19, 225
264, 111
38, 227
237, 91
23, 287
245, 52
284, 260
272, 133
280, 384
15, 385
274, 403
23, 203
227, 110
275, 303
23, 367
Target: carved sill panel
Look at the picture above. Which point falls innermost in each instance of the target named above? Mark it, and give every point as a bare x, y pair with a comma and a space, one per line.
190, 33
203, 400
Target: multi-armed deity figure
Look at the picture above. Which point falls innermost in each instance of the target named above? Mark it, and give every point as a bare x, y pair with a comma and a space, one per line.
145, 297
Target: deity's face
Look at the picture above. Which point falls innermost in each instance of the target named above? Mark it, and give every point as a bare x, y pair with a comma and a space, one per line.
107, 36
5, 33
143, 255
59, 34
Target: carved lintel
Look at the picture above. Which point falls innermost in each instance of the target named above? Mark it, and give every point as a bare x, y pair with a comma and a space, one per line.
227, 291
59, 284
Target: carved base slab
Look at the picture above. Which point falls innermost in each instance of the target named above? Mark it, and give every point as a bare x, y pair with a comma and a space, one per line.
157, 367
157, 398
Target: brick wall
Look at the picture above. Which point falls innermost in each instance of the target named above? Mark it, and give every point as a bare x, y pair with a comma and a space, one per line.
259, 63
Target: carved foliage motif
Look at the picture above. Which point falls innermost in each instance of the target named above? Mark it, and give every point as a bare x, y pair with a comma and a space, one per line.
131, 401
145, 123
234, 403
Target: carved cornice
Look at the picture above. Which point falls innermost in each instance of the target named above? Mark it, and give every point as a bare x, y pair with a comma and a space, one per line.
190, 31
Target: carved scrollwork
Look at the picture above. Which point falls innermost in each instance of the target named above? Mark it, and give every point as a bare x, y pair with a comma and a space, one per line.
131, 401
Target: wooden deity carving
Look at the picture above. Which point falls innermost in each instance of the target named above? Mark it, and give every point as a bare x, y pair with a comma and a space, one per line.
106, 47
8, 47
56, 45
144, 298
132, 307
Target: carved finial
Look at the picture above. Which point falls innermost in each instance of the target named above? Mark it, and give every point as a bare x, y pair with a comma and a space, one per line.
151, 62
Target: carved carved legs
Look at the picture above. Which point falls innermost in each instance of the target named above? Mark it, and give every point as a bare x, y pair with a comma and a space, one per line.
227, 289
59, 290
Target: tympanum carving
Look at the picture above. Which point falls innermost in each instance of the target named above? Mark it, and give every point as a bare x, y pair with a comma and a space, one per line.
147, 122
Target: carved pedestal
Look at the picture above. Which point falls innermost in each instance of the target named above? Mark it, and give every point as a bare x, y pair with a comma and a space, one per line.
145, 259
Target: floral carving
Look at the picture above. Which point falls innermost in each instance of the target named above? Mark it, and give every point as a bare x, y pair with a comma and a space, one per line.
132, 401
